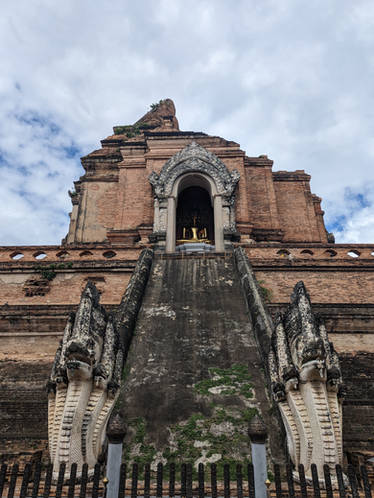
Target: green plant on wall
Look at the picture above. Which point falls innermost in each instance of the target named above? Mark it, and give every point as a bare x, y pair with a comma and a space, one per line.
156, 105
234, 380
49, 272
139, 451
266, 293
131, 131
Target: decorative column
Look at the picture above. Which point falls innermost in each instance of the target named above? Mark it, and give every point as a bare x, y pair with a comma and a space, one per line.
257, 434
170, 233
218, 224
116, 432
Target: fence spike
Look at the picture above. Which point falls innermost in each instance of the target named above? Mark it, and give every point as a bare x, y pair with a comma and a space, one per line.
183, 480
96, 481
172, 480
147, 480
134, 480
278, 482
3, 470
37, 474
189, 480
303, 489
60, 480
239, 481
13, 480
73, 475
213, 479
201, 480
328, 485
84, 478
160, 475
339, 475
316, 489
291, 487
122, 481
47, 481
353, 481
25, 480
365, 481
251, 480
226, 480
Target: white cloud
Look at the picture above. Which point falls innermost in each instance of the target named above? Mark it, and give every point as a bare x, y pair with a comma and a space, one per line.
290, 79
360, 226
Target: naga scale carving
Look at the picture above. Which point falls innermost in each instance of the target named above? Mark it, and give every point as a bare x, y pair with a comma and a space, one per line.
307, 385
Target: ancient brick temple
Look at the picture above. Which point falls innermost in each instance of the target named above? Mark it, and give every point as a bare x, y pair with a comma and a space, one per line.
237, 294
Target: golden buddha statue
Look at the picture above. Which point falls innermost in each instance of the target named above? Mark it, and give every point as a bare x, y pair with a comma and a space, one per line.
194, 234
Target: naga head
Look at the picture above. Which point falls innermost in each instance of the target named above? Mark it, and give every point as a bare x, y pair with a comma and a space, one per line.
305, 342
310, 357
300, 349
82, 357
84, 345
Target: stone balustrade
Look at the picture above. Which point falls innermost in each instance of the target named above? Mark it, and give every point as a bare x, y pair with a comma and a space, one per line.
60, 254
347, 252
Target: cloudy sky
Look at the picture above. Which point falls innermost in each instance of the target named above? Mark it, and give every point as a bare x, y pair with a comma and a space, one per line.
289, 78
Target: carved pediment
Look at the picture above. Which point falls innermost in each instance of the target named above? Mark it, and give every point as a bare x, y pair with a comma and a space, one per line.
194, 158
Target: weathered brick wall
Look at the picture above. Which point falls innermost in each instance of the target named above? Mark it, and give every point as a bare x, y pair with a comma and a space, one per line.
100, 207
65, 288
30, 328
332, 286
358, 407
65, 273
23, 406
259, 187
295, 205
115, 193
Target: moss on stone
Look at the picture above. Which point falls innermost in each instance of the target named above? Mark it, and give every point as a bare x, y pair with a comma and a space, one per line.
131, 130
266, 293
49, 271
139, 452
221, 436
233, 380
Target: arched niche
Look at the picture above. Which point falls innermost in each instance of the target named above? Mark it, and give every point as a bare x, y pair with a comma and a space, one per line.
186, 181
194, 216
193, 166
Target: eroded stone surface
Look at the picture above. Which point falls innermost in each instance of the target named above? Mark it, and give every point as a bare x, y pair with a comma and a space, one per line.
194, 376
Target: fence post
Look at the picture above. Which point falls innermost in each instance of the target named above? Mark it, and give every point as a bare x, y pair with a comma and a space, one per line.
2, 477
257, 434
365, 481
353, 481
116, 432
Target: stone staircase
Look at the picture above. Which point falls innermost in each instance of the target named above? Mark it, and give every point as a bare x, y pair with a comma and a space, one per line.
194, 373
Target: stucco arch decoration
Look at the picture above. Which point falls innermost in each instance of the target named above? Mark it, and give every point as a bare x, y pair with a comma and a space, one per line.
193, 159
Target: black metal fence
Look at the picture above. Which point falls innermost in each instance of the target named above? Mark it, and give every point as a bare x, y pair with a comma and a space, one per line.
212, 480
